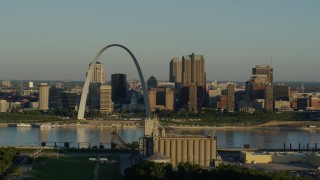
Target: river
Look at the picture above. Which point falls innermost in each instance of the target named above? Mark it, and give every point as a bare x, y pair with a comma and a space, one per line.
227, 138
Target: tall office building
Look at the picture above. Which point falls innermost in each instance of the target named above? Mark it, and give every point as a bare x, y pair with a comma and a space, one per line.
175, 70
186, 71
281, 92
269, 97
152, 82
193, 100
98, 73
169, 99
67, 100
53, 97
106, 104
93, 99
153, 99
263, 70
43, 96
119, 87
193, 70
231, 88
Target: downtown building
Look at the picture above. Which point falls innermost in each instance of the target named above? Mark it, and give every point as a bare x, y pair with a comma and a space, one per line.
193, 70
68, 100
96, 80
260, 87
4, 106
231, 94
152, 83
43, 96
119, 86
175, 70
98, 73
161, 98
194, 78
106, 104
263, 70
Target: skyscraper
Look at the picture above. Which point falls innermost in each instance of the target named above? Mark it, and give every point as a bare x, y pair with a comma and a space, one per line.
175, 70
153, 99
269, 97
263, 70
186, 71
193, 100
193, 70
67, 100
152, 82
43, 96
281, 92
119, 87
98, 73
93, 99
106, 104
231, 97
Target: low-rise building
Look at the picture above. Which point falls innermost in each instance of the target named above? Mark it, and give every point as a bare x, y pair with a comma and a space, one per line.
312, 158
4, 106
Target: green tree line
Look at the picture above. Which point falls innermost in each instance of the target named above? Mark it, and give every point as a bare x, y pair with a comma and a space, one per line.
146, 170
7, 156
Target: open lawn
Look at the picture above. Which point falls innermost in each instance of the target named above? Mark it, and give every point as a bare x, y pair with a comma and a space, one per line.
108, 171
72, 167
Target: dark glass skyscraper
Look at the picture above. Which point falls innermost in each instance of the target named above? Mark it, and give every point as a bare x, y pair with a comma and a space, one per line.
119, 87
152, 83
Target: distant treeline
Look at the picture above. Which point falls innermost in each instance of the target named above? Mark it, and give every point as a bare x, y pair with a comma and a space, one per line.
210, 117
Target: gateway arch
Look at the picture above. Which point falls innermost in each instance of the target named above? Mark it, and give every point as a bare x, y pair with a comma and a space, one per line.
89, 74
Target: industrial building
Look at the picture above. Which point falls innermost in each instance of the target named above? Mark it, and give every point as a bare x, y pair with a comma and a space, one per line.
312, 158
201, 150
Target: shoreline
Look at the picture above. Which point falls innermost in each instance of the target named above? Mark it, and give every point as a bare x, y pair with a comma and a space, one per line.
167, 127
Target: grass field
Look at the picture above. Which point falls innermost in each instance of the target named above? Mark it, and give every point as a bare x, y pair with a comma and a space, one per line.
108, 171
70, 167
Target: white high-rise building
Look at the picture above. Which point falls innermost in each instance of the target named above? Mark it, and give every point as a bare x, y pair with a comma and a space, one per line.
43, 96
30, 84
98, 73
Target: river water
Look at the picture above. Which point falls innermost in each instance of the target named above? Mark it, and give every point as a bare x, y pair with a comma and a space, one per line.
93, 136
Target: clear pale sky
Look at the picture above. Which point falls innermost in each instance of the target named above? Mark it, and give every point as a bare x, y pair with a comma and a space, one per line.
56, 40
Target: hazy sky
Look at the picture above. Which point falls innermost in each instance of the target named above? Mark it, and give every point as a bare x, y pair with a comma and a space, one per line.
56, 40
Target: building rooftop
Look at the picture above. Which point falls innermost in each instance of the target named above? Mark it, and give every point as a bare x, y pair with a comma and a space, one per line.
157, 156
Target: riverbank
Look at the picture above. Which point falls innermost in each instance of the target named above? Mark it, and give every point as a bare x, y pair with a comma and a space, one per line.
305, 125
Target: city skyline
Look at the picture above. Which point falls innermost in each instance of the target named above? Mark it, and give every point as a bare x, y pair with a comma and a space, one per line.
57, 40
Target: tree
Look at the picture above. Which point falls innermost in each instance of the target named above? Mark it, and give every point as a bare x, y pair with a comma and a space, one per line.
148, 170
